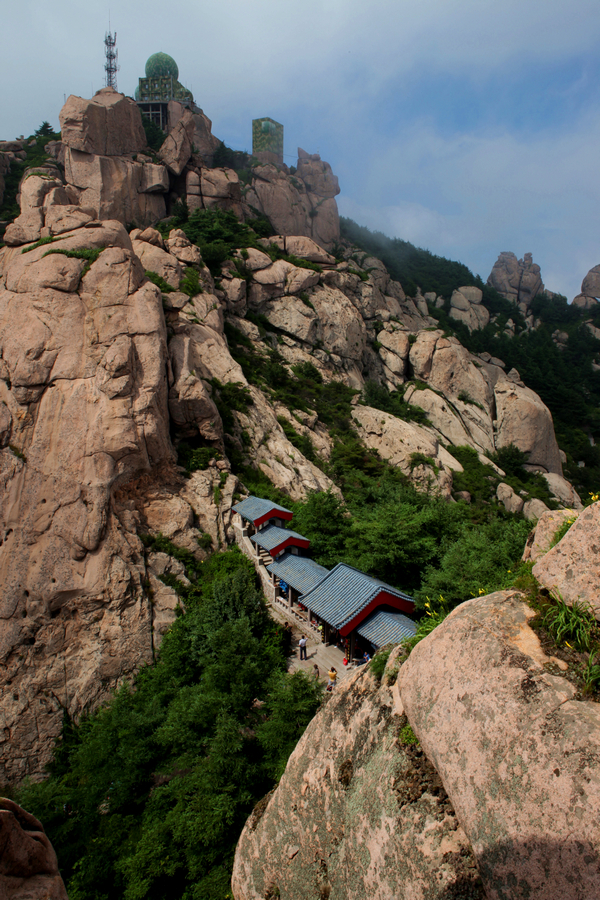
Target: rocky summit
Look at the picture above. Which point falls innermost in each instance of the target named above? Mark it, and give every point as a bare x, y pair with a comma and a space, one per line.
183, 326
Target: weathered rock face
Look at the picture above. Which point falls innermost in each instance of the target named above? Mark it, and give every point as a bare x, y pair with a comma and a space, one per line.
356, 814
299, 204
526, 422
117, 187
517, 280
86, 388
204, 141
540, 539
109, 124
28, 865
83, 398
414, 449
572, 567
177, 148
516, 751
513, 746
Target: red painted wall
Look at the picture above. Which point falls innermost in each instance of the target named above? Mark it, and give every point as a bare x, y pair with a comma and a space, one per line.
383, 598
275, 513
290, 542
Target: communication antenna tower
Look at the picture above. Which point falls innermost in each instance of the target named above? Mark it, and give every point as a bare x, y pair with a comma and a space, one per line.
111, 66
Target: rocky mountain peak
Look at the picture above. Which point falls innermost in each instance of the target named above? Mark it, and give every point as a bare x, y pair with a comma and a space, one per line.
519, 280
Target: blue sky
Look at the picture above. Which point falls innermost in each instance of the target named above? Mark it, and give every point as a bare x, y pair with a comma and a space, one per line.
466, 126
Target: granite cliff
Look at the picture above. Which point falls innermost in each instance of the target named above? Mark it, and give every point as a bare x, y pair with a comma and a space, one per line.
116, 344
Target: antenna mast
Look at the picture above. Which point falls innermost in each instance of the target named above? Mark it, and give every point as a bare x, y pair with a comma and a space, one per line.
111, 66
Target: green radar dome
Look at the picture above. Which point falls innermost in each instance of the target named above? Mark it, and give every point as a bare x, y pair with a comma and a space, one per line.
160, 65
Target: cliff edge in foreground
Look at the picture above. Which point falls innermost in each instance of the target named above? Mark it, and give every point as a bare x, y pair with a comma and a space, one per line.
493, 791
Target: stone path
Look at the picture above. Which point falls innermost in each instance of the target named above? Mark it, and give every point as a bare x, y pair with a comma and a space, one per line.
316, 651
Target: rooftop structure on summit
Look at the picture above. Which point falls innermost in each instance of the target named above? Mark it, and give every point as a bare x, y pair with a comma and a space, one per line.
267, 141
258, 512
111, 66
160, 86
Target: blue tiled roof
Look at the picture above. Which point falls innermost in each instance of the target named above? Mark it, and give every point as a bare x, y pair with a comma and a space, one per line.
252, 508
300, 572
271, 536
383, 627
342, 594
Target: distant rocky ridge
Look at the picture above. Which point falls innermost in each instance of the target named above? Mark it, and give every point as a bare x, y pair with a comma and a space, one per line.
104, 369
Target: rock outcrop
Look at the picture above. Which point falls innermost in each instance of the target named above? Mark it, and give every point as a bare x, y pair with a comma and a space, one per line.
514, 747
89, 391
526, 422
28, 864
298, 204
466, 307
590, 290
519, 280
413, 449
542, 536
109, 124
356, 814
571, 568
360, 812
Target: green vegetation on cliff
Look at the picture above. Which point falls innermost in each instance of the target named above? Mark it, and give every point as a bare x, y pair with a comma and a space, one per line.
147, 797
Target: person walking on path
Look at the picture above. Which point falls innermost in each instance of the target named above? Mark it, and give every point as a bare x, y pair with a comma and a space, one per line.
316, 672
302, 645
332, 678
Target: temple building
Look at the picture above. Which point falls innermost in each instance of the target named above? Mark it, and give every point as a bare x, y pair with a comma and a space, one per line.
346, 606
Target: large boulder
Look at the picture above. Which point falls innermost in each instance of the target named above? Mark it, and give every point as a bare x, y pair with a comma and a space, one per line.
117, 187
109, 124
204, 141
524, 420
356, 814
515, 747
542, 536
414, 449
28, 864
177, 147
572, 567
466, 307
590, 286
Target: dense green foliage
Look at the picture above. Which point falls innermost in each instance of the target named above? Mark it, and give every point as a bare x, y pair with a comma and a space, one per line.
146, 798
415, 541
218, 233
379, 397
154, 133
